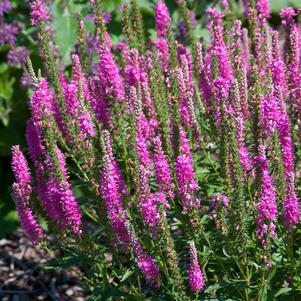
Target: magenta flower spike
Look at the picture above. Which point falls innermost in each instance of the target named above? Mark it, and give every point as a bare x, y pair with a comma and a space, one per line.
148, 201
134, 72
162, 19
71, 213
98, 103
20, 167
38, 11
109, 183
21, 194
27, 218
224, 4
218, 47
267, 209
41, 104
263, 9
56, 193
17, 55
295, 64
72, 102
33, 140
285, 138
141, 141
5, 6
269, 114
287, 15
163, 52
145, 262
187, 184
196, 277
85, 124
277, 65
161, 167
8, 33
291, 204
184, 94
109, 77
115, 168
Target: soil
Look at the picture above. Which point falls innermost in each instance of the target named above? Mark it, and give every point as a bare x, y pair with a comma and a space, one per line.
23, 278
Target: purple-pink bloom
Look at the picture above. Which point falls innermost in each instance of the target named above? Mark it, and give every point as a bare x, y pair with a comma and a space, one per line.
278, 74
134, 72
110, 192
33, 140
269, 115
98, 103
161, 167
163, 52
20, 167
37, 11
116, 172
221, 92
56, 193
109, 77
61, 162
148, 201
278, 68
220, 199
17, 55
295, 64
21, 194
184, 94
287, 15
162, 19
183, 52
218, 47
267, 209
196, 277
204, 83
291, 204
183, 28
224, 4
46, 188
187, 184
285, 138
71, 214
142, 135
8, 33
27, 218
41, 104
71, 100
85, 123
5, 6
145, 262
148, 106
263, 9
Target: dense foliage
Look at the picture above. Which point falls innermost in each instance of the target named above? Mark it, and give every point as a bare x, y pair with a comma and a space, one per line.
165, 167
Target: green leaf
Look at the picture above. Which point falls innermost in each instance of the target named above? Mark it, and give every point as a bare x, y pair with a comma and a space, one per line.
283, 291
276, 6
65, 26
8, 222
213, 288
126, 275
295, 3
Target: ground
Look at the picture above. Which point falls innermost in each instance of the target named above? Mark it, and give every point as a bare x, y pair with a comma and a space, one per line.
22, 277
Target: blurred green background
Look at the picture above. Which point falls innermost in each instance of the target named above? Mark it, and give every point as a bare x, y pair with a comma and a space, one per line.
13, 97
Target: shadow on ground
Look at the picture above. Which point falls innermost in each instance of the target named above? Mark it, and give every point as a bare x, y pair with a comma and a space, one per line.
22, 277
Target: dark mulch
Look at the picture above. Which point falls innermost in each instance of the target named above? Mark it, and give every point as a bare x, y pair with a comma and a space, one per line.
23, 279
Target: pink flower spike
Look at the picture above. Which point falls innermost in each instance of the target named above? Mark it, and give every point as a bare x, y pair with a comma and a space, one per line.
195, 275
20, 167
38, 11
162, 19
